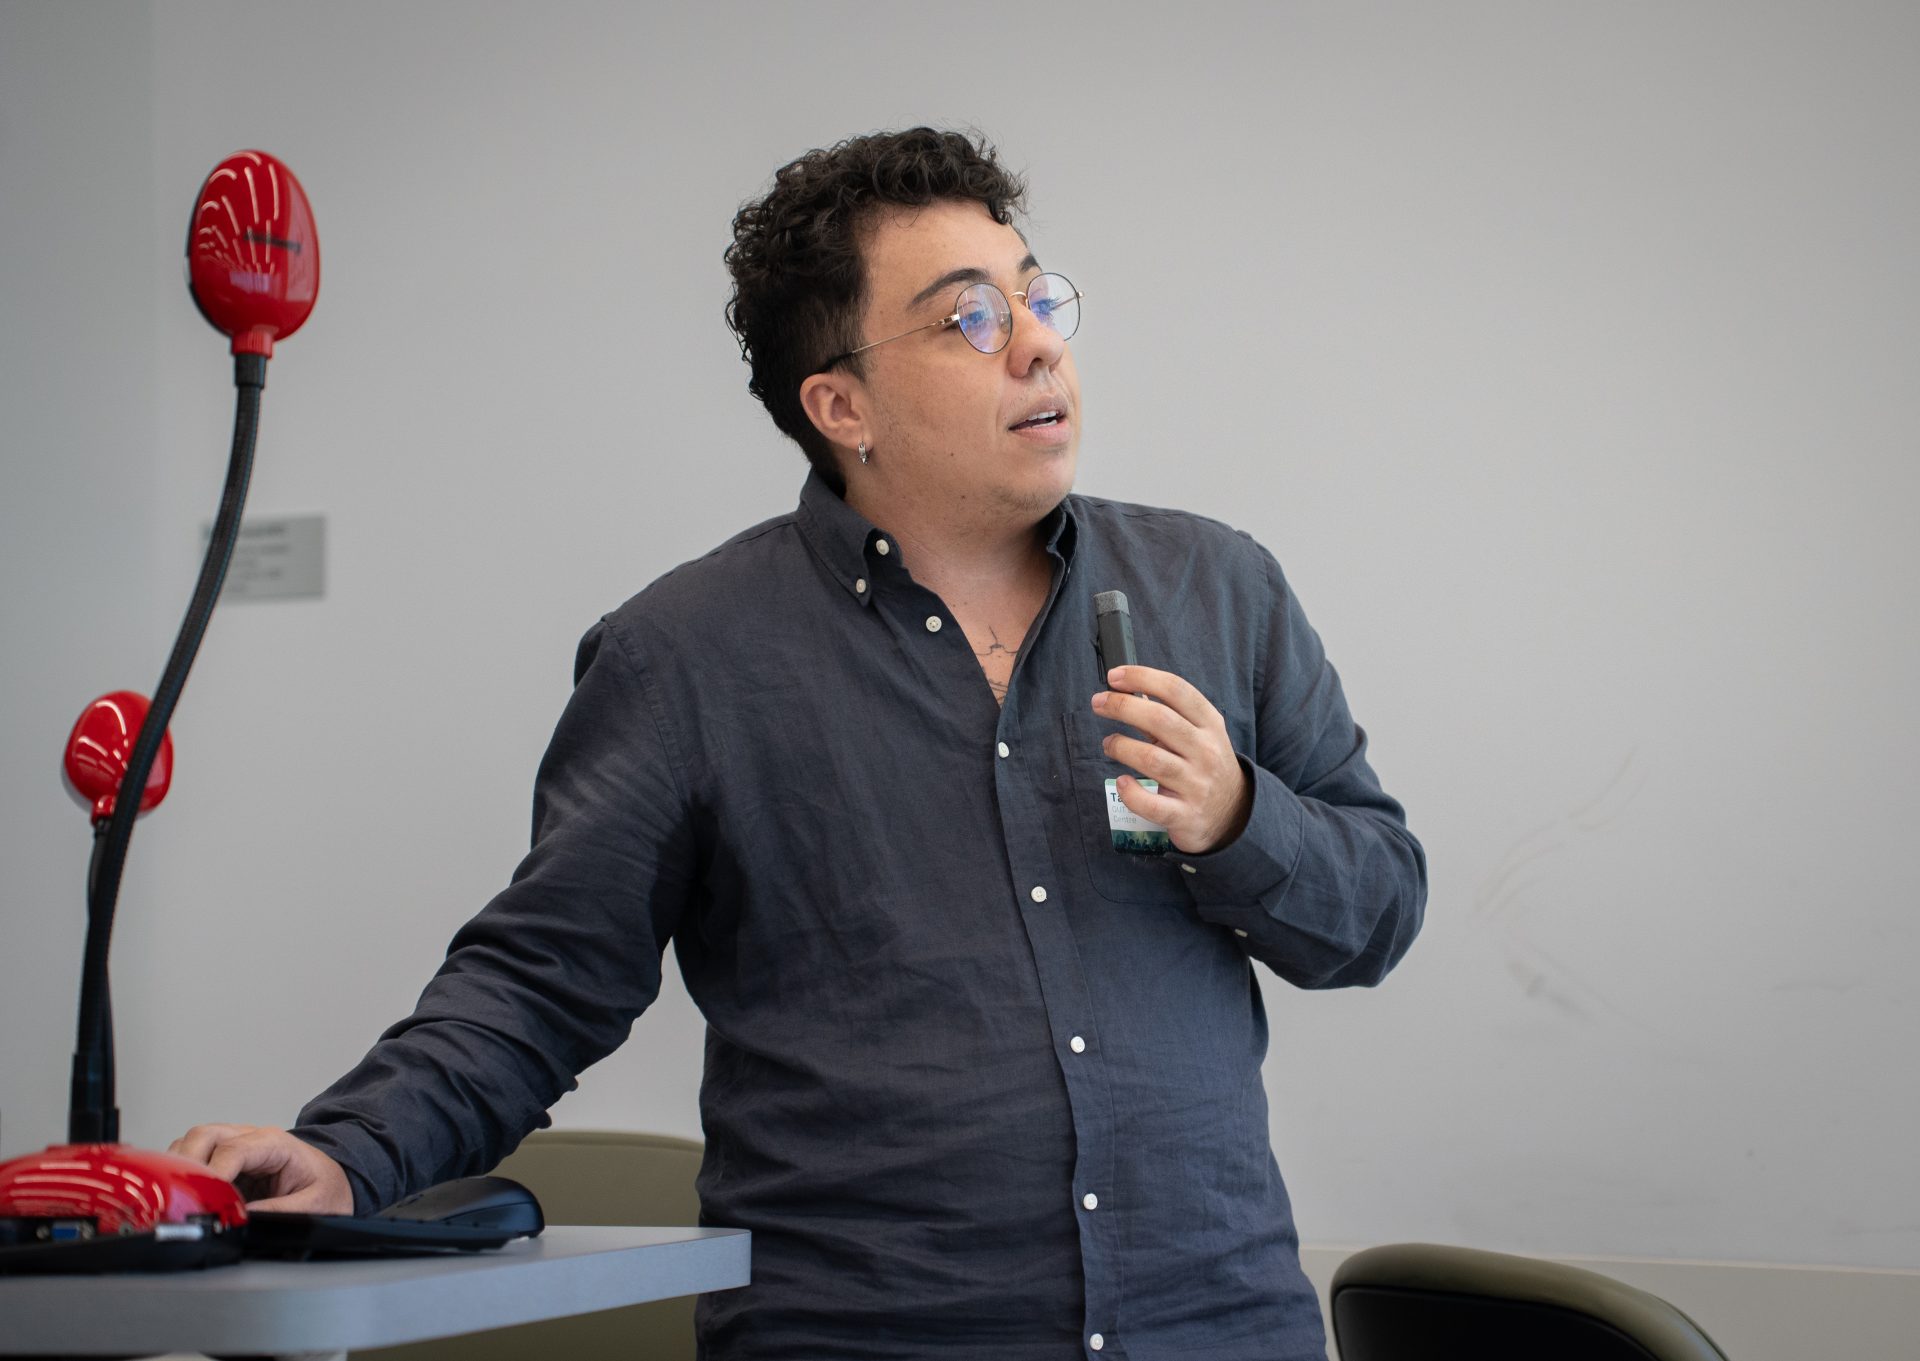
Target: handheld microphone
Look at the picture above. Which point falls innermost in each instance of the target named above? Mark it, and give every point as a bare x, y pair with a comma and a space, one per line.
1130, 831
1115, 638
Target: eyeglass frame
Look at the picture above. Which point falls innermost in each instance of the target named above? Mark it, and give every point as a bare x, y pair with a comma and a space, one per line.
953, 319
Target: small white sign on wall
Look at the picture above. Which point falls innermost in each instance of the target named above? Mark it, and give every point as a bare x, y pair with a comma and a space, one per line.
276, 558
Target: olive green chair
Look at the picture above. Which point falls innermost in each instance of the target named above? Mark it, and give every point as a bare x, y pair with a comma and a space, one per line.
592, 1177
1422, 1302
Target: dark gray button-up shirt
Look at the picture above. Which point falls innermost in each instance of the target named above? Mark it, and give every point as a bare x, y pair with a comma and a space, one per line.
981, 1085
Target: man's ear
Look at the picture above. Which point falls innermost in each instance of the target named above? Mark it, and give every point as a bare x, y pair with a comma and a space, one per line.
836, 403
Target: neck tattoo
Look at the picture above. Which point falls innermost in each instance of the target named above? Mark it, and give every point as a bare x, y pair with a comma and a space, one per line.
994, 656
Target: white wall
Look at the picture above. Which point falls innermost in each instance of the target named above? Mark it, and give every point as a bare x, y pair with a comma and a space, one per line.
1564, 355
79, 465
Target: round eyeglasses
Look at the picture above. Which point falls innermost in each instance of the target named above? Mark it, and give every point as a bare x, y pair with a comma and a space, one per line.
984, 315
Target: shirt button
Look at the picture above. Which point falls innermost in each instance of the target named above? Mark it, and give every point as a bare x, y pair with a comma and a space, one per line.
933, 623
1096, 1342
1004, 749
1039, 894
860, 586
1077, 1045
882, 547
1090, 1200
1238, 932
1190, 869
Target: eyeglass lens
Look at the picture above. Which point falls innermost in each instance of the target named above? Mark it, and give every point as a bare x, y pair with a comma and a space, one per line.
985, 316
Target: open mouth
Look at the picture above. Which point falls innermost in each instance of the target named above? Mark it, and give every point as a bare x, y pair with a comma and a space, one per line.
1038, 419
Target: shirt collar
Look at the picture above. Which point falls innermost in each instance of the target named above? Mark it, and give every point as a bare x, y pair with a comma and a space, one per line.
839, 535
844, 540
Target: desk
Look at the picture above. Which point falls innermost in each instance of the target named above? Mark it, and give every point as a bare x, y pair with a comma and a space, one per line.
290, 1308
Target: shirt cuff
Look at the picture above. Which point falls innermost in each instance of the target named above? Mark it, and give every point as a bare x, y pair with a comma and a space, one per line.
353, 1148
1242, 883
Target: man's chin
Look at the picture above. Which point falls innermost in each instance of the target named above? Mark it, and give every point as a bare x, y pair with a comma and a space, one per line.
1034, 496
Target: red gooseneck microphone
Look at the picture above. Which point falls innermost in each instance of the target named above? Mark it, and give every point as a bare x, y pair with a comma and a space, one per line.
100, 748
253, 260
95, 1204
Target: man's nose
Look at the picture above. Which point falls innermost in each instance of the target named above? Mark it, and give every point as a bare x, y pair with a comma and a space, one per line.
1034, 344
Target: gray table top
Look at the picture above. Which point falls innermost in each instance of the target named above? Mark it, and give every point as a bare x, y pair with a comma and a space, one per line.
290, 1307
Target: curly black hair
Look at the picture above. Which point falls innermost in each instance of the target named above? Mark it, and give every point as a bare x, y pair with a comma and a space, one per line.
799, 281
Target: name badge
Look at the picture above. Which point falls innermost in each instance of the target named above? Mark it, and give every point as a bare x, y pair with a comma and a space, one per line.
1131, 832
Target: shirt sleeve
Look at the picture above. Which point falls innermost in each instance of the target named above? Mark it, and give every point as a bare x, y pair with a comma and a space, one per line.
549, 977
1326, 884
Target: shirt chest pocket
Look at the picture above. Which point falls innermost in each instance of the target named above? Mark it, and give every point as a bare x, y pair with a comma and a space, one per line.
1117, 875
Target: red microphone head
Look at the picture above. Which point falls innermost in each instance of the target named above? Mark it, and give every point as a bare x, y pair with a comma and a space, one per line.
253, 260
100, 746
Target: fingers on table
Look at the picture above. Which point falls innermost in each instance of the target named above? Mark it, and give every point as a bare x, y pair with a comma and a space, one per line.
199, 1142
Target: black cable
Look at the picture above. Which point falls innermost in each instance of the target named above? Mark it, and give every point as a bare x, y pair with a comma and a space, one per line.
106, 989
93, 1117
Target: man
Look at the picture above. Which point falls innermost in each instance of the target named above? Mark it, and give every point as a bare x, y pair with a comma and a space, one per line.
982, 1084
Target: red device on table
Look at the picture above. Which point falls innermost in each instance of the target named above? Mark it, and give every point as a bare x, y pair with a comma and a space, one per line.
93, 1203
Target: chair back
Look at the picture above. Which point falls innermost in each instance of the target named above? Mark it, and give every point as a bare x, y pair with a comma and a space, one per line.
1425, 1302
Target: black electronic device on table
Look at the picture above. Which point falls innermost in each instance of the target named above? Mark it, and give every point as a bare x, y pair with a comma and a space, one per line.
455, 1216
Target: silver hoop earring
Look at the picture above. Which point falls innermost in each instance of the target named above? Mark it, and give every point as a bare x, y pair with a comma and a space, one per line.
863, 451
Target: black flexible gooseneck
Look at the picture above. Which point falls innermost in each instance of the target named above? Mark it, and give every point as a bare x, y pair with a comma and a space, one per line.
93, 1117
